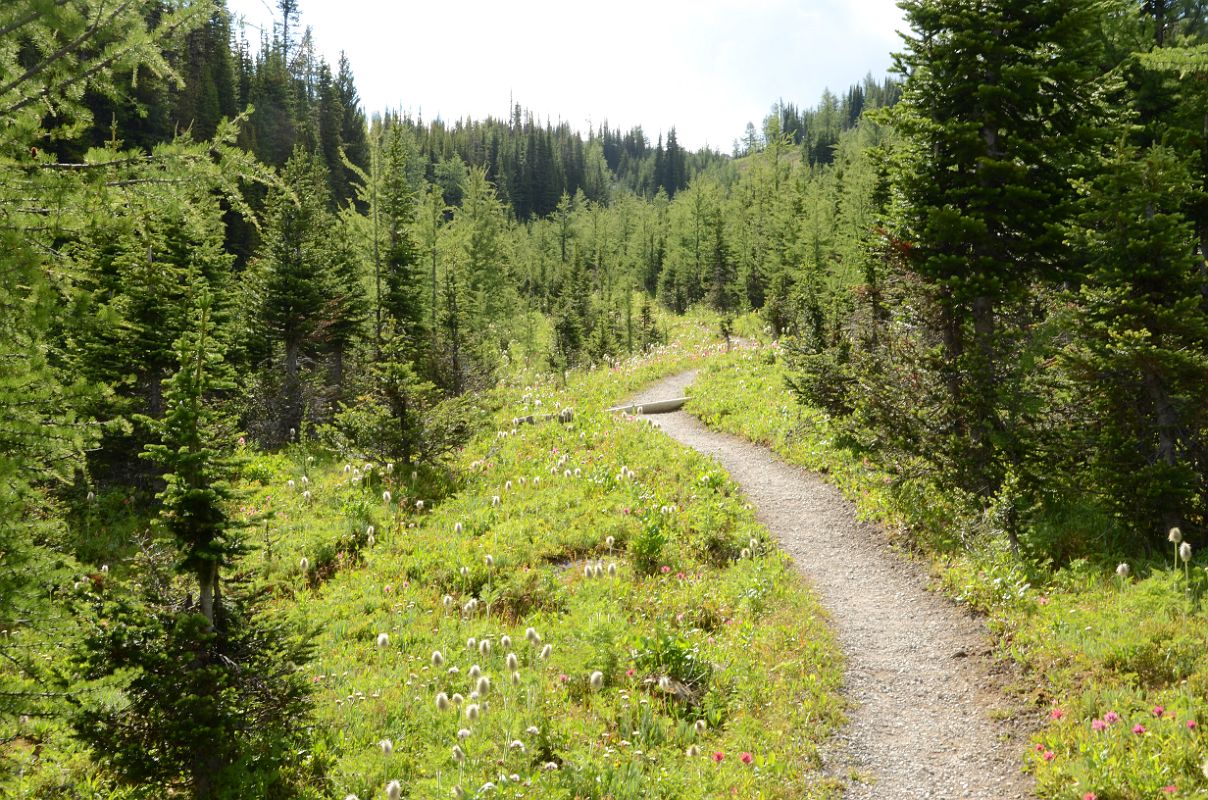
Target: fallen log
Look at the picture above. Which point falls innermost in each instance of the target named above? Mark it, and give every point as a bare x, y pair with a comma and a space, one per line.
653, 407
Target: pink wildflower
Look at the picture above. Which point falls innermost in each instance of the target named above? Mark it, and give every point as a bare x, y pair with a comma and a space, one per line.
1056, 713
629, 673
1090, 796
718, 756
1098, 725
1138, 729
1192, 725
746, 758
1171, 789
1039, 748
679, 575
563, 677
1158, 711
1049, 755
666, 569
1111, 716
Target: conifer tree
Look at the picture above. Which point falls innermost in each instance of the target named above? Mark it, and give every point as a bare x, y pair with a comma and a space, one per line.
996, 96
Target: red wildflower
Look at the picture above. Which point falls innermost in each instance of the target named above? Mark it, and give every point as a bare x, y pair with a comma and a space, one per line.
718, 756
746, 758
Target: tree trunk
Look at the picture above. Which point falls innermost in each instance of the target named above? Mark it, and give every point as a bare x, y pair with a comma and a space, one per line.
1167, 418
292, 417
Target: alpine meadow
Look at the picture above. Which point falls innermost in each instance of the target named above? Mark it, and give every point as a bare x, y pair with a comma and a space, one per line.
351, 453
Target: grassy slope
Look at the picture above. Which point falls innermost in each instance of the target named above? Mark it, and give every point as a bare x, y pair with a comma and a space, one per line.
1094, 643
773, 691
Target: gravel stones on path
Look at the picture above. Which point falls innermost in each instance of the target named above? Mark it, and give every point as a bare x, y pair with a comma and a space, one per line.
921, 683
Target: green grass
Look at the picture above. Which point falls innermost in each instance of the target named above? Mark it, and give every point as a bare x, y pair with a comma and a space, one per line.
1094, 645
746, 647
700, 597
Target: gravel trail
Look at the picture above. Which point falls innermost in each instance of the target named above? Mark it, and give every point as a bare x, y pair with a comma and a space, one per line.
920, 678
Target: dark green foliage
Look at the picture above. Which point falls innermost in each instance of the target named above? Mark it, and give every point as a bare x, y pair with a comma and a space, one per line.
219, 713
214, 701
1140, 357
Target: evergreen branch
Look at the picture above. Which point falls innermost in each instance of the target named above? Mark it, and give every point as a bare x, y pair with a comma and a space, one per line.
65, 50
28, 18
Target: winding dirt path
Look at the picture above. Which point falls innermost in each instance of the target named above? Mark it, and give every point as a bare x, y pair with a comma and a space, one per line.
919, 676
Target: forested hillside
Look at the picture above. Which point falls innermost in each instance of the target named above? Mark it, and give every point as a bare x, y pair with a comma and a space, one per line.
984, 274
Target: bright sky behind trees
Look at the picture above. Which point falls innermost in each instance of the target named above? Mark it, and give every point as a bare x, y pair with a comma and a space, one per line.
706, 66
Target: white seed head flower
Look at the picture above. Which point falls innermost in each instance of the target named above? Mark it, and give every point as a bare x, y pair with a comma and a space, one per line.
458, 528
310, 459
754, 543
745, 553
347, 468
486, 788
458, 755
665, 684
293, 432
473, 697
91, 496
304, 563
693, 751
484, 647
394, 790
490, 560
475, 671
566, 473
351, 797
387, 746
419, 505
507, 486
700, 727
386, 496
389, 467
305, 481
612, 570
495, 500
457, 699
531, 635
447, 600
470, 606
1175, 536
513, 662
578, 472
516, 744
545, 651
588, 570
1122, 570
471, 643
104, 569
438, 660
442, 702
597, 679
463, 733
306, 496
472, 712
484, 685
598, 570
610, 541
383, 640
465, 572
505, 642
515, 678
1185, 551
290, 483
532, 730
453, 671
459, 793
369, 531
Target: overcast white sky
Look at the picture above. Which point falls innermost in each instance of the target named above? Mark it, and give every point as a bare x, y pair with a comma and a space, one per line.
705, 66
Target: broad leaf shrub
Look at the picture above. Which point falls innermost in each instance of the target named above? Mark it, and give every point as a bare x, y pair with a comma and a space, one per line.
1120, 662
